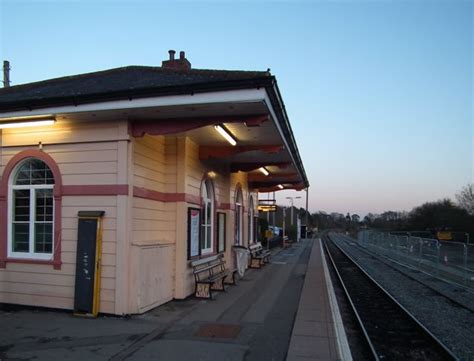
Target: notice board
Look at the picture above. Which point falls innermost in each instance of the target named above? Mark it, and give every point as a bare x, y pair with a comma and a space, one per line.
194, 225
88, 258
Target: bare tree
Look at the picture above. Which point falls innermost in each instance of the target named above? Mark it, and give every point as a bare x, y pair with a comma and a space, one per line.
465, 198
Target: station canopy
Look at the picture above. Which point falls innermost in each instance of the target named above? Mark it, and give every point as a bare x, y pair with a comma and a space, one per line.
180, 101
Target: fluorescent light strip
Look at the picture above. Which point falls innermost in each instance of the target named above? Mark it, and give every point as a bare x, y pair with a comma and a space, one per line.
26, 118
30, 123
226, 134
280, 186
264, 171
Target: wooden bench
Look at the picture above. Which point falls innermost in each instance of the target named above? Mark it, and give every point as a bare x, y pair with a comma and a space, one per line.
210, 275
258, 255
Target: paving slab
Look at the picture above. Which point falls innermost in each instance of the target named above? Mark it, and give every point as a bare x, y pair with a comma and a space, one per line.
314, 335
178, 350
251, 321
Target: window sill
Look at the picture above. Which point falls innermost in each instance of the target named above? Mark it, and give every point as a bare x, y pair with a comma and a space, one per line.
204, 255
207, 254
3, 262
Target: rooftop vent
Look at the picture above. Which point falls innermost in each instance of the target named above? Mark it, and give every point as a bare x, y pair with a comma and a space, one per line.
176, 64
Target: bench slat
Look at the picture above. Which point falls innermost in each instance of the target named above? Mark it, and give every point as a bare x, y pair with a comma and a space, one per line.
258, 255
211, 271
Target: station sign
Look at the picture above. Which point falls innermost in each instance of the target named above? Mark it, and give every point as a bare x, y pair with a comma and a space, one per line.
267, 205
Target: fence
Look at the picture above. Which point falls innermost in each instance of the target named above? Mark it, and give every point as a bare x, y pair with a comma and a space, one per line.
450, 260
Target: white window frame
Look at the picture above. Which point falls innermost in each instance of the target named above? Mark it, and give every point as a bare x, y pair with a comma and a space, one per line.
32, 188
207, 196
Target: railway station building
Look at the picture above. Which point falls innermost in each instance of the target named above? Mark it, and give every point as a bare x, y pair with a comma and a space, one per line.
144, 149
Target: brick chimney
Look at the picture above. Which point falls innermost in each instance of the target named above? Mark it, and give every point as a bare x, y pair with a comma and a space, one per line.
176, 64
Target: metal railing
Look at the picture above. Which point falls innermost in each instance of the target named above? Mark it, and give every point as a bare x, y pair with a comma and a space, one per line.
446, 259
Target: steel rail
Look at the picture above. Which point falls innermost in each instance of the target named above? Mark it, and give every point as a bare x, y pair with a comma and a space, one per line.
387, 260
429, 336
410, 266
349, 298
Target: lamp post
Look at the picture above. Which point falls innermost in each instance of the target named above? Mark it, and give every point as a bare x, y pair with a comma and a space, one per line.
291, 202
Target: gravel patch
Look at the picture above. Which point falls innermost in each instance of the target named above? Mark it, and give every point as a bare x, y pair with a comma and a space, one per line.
451, 321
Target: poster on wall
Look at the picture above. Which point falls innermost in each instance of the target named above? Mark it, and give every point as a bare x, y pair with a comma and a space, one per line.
194, 215
220, 232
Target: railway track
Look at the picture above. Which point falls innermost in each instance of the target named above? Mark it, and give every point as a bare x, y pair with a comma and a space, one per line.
391, 332
389, 262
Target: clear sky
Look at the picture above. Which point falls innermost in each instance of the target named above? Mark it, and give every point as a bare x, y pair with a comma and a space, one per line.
379, 93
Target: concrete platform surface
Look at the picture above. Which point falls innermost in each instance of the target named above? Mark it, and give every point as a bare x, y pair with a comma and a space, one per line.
251, 321
314, 335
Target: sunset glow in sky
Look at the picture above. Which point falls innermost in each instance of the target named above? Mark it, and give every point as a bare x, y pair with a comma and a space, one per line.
379, 93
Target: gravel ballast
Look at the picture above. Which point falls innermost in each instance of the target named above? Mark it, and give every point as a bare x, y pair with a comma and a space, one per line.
450, 320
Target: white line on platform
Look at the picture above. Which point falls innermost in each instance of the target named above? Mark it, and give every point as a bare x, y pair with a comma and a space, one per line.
341, 337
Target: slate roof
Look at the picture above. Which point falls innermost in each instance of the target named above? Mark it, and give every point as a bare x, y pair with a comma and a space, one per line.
129, 81
142, 81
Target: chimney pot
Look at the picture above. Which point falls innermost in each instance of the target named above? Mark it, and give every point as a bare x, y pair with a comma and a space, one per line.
181, 64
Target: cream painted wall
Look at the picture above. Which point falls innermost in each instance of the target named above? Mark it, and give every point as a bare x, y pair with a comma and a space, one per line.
153, 228
144, 240
171, 165
182, 272
87, 153
224, 186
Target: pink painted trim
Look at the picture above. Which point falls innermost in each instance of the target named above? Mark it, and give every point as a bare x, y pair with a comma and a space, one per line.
191, 199
18, 158
165, 197
3, 230
95, 190
226, 206
32, 153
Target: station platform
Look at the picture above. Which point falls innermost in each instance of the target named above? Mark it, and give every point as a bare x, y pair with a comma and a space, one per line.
280, 312
318, 332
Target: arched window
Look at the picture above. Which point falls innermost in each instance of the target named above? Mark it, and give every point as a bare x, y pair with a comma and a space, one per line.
238, 217
31, 211
251, 221
207, 217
